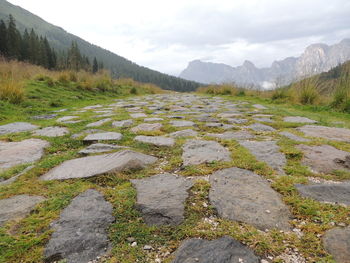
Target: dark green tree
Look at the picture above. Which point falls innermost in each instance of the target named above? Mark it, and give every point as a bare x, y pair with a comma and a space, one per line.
13, 39
94, 66
3, 39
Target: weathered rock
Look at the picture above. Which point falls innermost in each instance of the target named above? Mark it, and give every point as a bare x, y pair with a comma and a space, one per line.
100, 148
80, 234
66, 119
85, 132
215, 124
99, 164
238, 135
184, 133
243, 196
123, 123
261, 119
44, 117
330, 133
14, 178
161, 198
298, 119
229, 115
17, 127
156, 140
200, 151
98, 123
325, 158
16, 153
147, 127
182, 123
52, 132
17, 207
153, 119
92, 107
268, 152
237, 121
337, 242
259, 107
294, 137
138, 115
332, 192
104, 136
222, 250
260, 127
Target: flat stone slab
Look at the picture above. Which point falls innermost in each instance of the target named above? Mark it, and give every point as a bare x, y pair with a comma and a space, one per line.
80, 234
237, 121
201, 151
294, 137
100, 148
92, 107
16, 153
99, 164
17, 127
45, 117
338, 193
298, 119
138, 115
182, 123
161, 198
262, 119
239, 135
222, 250
336, 241
67, 119
325, 158
85, 132
330, 133
51, 132
156, 140
17, 207
268, 152
104, 136
98, 123
259, 107
184, 133
260, 127
123, 123
147, 127
153, 119
241, 195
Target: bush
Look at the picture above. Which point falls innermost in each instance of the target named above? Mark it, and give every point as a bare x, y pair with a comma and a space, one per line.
341, 97
308, 92
133, 91
11, 91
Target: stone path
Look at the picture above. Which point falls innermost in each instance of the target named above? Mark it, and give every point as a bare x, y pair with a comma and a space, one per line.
161, 198
80, 235
216, 125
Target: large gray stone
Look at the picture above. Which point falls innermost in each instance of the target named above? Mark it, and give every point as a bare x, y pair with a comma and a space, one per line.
259, 106
268, 152
123, 123
67, 119
184, 133
16, 153
333, 192
80, 234
85, 132
182, 123
156, 140
222, 250
298, 119
238, 135
330, 133
104, 136
17, 127
243, 196
138, 115
100, 148
161, 198
98, 123
147, 127
337, 242
51, 132
325, 158
294, 137
99, 164
237, 121
17, 207
260, 127
45, 117
200, 151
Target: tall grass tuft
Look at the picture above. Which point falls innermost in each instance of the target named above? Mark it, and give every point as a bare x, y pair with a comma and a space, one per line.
308, 93
341, 97
11, 90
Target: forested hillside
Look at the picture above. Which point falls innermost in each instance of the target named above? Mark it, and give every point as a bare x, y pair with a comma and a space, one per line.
61, 40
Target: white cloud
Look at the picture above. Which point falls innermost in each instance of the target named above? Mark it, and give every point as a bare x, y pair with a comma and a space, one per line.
166, 35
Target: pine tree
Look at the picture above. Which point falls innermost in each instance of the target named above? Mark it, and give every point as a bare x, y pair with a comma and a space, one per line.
25, 46
13, 39
3, 39
94, 66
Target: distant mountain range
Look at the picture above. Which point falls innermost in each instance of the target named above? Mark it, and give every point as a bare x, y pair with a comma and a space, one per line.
316, 58
119, 66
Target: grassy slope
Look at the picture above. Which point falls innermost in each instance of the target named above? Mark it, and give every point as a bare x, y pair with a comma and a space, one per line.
24, 240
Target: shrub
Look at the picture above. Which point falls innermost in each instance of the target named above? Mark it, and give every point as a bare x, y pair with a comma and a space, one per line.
11, 90
308, 92
133, 91
63, 77
280, 94
341, 97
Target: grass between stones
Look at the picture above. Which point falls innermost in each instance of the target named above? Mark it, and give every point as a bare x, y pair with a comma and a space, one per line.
24, 240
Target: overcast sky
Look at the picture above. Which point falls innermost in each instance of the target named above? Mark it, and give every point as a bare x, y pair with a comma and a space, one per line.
165, 35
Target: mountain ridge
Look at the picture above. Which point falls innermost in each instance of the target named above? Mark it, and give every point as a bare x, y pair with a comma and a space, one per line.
315, 59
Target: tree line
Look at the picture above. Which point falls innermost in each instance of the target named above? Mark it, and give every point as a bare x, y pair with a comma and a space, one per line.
35, 49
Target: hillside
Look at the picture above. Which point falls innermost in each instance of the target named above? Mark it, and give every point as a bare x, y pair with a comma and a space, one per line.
119, 66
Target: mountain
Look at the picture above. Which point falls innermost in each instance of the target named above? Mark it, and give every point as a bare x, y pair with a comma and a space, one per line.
315, 59
119, 66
